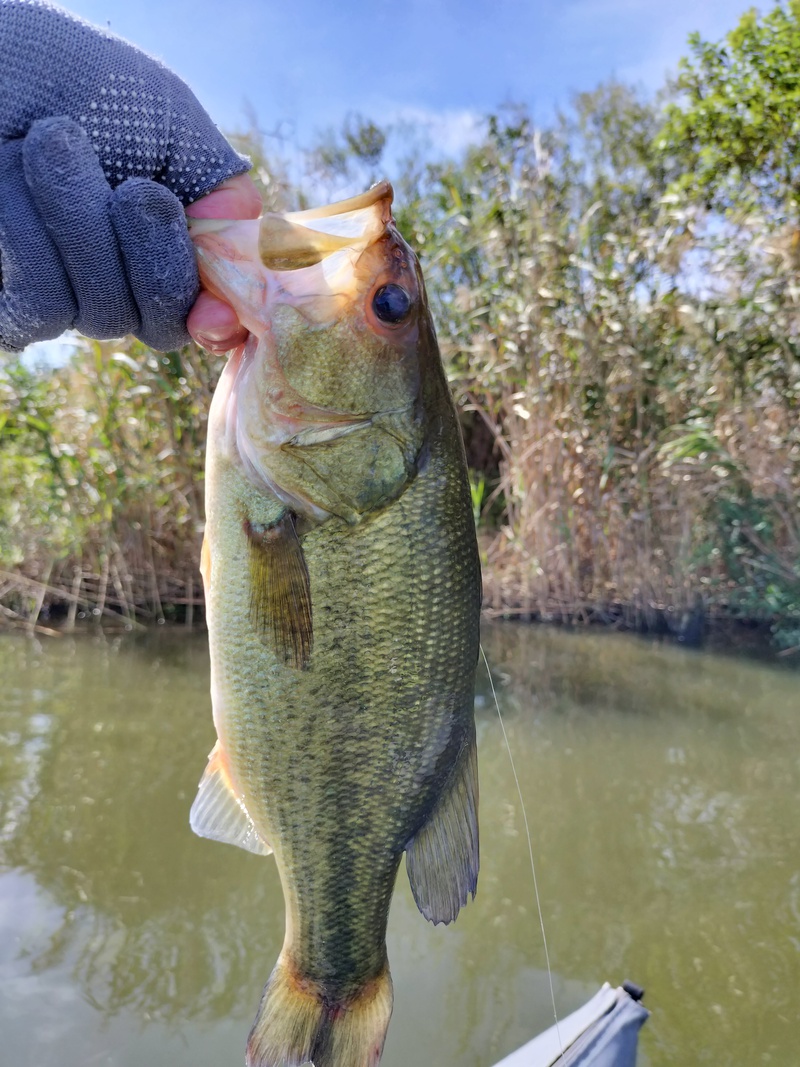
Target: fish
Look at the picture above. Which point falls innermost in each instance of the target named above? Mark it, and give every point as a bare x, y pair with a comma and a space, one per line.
343, 591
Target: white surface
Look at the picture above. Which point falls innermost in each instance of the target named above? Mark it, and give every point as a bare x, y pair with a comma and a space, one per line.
544, 1050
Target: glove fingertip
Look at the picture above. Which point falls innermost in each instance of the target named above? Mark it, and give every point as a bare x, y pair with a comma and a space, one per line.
159, 260
37, 302
59, 143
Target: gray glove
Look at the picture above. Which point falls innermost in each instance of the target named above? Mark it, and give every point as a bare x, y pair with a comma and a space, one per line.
100, 146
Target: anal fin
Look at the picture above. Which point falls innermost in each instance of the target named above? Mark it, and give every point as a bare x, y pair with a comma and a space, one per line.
442, 859
219, 813
280, 599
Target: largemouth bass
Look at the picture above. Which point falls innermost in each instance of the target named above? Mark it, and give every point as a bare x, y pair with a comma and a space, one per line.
342, 588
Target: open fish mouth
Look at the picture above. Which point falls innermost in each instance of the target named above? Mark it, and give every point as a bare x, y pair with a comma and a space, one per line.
314, 260
334, 304
304, 238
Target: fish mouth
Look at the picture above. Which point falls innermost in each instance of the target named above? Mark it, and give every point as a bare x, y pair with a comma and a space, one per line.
301, 239
325, 262
318, 261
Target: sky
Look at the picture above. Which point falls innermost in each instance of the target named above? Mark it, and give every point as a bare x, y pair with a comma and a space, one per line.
302, 65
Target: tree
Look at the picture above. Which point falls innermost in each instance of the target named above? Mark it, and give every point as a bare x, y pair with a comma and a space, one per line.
734, 137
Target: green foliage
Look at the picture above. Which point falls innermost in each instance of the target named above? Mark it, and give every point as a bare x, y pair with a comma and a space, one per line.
350, 155
626, 365
623, 394
734, 134
270, 175
102, 463
766, 583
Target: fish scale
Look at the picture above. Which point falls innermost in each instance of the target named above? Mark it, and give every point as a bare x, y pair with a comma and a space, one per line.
344, 642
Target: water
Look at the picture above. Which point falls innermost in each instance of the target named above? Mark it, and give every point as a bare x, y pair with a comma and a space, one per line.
662, 791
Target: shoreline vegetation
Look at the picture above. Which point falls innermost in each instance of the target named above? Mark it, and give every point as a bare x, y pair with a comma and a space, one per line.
617, 298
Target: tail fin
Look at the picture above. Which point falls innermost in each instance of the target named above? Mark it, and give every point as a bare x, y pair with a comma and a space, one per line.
296, 1024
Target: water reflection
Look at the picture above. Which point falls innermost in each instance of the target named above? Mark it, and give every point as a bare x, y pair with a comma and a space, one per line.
149, 919
662, 793
667, 785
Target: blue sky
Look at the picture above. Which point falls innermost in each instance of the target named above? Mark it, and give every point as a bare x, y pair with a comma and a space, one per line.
443, 64
307, 63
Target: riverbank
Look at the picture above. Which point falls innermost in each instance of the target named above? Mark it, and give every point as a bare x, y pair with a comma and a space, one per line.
97, 603
624, 363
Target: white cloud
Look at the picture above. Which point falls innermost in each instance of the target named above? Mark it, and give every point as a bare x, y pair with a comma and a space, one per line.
447, 132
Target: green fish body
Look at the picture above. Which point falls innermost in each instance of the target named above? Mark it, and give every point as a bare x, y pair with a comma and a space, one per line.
343, 596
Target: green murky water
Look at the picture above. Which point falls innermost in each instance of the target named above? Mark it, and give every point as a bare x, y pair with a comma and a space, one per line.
662, 792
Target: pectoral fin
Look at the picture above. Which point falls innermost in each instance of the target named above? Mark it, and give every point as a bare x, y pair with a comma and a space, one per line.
442, 859
280, 599
219, 813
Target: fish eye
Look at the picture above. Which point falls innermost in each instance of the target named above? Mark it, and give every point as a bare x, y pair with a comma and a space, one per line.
391, 303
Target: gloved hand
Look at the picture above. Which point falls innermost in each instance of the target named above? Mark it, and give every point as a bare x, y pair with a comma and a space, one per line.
100, 148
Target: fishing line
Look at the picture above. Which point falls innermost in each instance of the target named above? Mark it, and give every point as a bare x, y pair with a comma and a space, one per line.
530, 852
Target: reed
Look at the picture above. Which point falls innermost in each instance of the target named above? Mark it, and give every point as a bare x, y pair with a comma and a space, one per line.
625, 366
103, 515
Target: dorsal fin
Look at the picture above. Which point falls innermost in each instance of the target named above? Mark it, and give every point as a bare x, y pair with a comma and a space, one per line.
219, 813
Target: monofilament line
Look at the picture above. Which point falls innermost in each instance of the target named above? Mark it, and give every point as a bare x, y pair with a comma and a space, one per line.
530, 851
